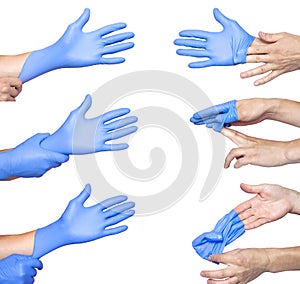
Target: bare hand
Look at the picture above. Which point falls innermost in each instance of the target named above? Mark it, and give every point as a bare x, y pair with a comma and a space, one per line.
244, 265
279, 53
254, 151
270, 203
10, 88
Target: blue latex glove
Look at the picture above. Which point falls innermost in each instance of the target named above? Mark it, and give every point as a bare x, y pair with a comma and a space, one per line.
19, 269
29, 159
78, 49
80, 224
228, 47
79, 135
217, 116
228, 229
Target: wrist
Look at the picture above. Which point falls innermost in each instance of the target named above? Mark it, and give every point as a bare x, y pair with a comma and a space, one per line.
6, 170
49, 238
271, 108
292, 151
294, 200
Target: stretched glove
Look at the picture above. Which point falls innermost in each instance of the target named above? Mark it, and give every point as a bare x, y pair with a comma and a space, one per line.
79, 135
228, 229
80, 224
217, 116
19, 269
29, 159
228, 47
78, 49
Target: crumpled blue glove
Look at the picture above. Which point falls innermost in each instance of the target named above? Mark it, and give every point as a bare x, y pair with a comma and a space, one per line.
29, 159
79, 135
19, 269
217, 116
78, 49
227, 230
80, 224
228, 47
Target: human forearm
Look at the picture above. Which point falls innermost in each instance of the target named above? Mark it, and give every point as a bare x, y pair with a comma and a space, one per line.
17, 244
283, 259
11, 65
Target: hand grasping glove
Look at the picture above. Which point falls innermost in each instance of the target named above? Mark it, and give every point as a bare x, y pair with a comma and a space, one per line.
228, 47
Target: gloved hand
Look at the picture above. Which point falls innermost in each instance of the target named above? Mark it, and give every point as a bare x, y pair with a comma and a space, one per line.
79, 135
29, 159
217, 116
19, 269
228, 229
78, 49
228, 47
80, 224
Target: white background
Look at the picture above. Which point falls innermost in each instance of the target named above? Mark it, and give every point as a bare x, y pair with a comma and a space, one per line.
157, 248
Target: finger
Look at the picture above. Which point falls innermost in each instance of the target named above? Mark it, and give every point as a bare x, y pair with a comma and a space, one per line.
84, 195
211, 111
120, 133
242, 207
114, 60
118, 209
16, 83
197, 121
117, 48
85, 105
27, 279
259, 58
236, 137
33, 262
121, 123
195, 33
193, 53
253, 189
223, 20
115, 147
83, 19
202, 64
118, 38
114, 231
258, 49
247, 216
119, 218
114, 114
256, 71
59, 158
110, 28
257, 223
13, 92
7, 98
112, 201
268, 37
271, 76
241, 161
233, 154
190, 43
220, 258
216, 274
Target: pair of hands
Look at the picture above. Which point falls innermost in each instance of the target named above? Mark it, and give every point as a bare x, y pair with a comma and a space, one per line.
252, 150
279, 52
271, 203
77, 135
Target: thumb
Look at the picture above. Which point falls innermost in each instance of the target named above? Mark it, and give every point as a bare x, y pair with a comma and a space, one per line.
236, 137
270, 37
223, 20
254, 189
85, 105
83, 19
84, 195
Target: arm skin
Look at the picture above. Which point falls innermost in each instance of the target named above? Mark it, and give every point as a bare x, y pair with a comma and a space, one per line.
245, 265
279, 53
270, 203
11, 65
260, 152
255, 110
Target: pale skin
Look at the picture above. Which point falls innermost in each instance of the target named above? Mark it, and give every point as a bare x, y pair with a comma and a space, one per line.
256, 151
11, 65
270, 203
245, 265
10, 88
279, 53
